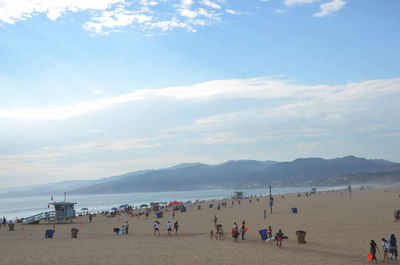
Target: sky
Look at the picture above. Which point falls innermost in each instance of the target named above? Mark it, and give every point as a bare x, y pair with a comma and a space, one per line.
97, 88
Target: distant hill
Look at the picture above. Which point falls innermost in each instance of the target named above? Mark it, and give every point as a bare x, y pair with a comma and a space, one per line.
248, 174
233, 174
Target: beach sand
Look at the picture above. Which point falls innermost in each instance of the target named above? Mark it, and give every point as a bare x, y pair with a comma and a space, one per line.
339, 229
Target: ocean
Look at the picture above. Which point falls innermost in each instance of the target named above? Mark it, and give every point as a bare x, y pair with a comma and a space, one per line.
13, 208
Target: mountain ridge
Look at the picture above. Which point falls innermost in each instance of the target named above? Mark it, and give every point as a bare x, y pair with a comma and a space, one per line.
234, 174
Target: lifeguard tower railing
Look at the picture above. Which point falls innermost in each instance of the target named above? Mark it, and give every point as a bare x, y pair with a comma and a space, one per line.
40, 216
51, 217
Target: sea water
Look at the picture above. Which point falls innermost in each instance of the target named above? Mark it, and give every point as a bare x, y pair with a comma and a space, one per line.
13, 208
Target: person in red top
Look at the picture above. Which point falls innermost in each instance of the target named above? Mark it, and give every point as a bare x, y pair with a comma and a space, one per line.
235, 232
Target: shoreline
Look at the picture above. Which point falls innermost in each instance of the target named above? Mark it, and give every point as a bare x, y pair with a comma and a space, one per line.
117, 196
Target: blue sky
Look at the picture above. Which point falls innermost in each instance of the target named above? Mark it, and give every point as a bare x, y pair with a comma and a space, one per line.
97, 88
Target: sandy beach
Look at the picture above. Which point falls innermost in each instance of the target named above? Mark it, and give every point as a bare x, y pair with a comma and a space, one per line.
339, 228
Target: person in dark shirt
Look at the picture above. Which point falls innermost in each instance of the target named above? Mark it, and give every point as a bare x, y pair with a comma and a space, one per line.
374, 247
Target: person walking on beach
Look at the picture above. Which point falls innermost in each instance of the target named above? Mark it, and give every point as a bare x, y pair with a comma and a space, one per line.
90, 218
393, 247
4, 221
243, 229
396, 216
215, 220
176, 226
373, 249
235, 233
169, 228
265, 214
173, 214
126, 227
385, 248
156, 229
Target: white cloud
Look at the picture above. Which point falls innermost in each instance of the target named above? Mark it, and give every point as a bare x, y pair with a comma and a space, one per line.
116, 18
299, 2
302, 145
97, 91
254, 88
105, 16
12, 11
329, 8
232, 12
211, 4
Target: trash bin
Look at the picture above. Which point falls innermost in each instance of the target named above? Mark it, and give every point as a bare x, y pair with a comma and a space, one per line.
263, 234
11, 227
294, 210
74, 232
199, 207
49, 233
210, 205
301, 236
159, 215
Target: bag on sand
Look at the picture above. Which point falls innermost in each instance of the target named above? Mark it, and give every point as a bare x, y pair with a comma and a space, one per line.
369, 257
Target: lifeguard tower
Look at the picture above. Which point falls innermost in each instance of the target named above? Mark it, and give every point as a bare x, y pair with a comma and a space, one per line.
63, 212
238, 195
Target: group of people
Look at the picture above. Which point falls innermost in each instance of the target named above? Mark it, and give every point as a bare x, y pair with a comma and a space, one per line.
236, 231
124, 230
3, 221
156, 226
389, 248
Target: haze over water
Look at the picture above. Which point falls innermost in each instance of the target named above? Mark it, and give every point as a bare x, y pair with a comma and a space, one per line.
27, 206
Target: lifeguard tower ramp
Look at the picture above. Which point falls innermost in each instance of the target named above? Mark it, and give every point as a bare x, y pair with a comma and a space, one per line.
34, 219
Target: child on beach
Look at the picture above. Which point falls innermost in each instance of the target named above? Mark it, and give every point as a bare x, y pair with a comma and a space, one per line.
126, 227
385, 248
176, 227
373, 249
156, 230
279, 238
265, 214
235, 233
169, 228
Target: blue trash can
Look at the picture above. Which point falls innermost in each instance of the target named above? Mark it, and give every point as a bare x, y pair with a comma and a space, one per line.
250, 201
159, 215
49, 233
294, 210
263, 234
211, 205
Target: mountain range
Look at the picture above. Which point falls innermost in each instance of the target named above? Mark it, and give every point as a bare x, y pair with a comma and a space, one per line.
232, 175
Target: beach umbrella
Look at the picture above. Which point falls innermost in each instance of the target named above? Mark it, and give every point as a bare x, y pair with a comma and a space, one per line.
114, 209
175, 203
84, 209
144, 205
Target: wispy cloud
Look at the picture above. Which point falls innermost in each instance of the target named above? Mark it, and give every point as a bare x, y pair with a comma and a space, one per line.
330, 7
254, 88
299, 2
302, 145
105, 16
